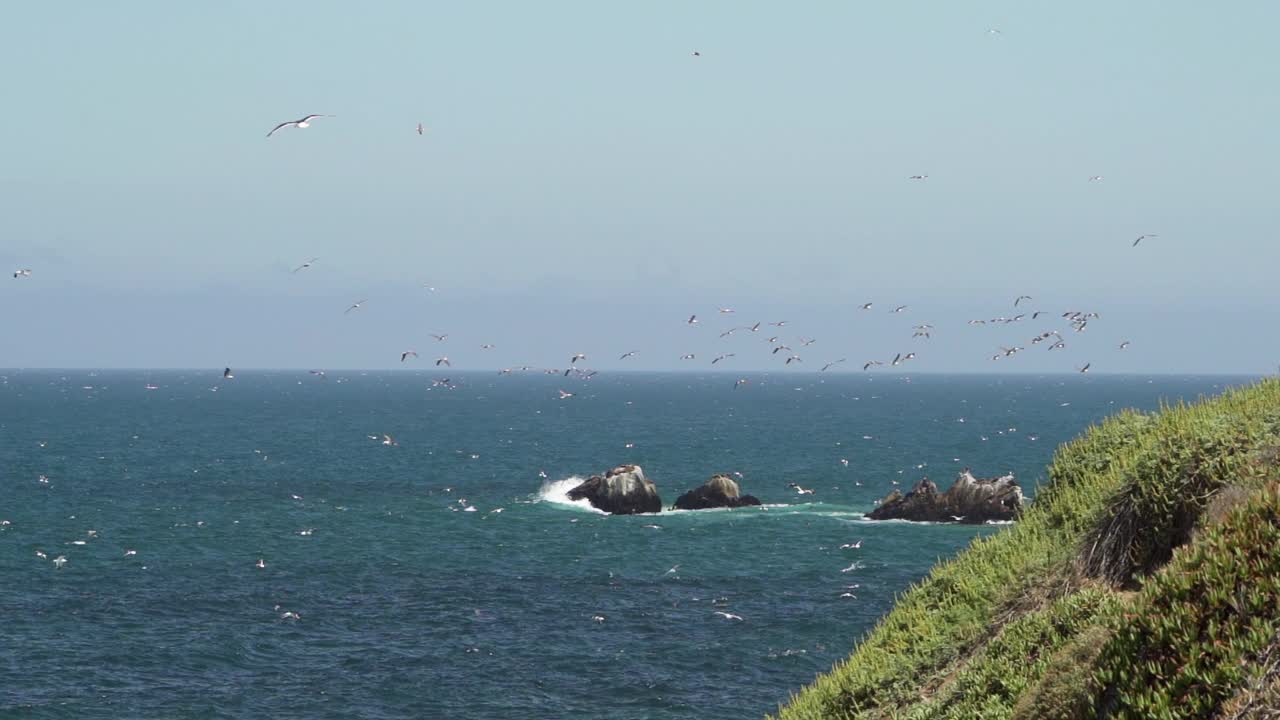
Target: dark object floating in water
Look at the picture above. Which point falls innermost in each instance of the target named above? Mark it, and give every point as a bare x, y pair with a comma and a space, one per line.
970, 500
623, 490
719, 491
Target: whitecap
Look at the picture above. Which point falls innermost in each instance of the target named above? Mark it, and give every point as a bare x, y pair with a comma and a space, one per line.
557, 493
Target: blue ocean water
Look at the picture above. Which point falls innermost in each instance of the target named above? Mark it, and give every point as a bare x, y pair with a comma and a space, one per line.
410, 605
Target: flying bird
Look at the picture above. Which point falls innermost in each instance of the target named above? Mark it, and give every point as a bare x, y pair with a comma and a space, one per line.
687, 356
1124, 344
721, 357
867, 306
576, 357
627, 355
305, 265
355, 306
226, 374
727, 615
420, 128
1021, 298
900, 308
740, 381
693, 320
1095, 178
1085, 369
443, 360
440, 338
565, 395
697, 54
918, 177
303, 123
833, 362
407, 354
1143, 237
868, 365
23, 273
726, 310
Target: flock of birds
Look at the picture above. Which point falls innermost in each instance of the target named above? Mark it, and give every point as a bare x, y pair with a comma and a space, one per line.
784, 350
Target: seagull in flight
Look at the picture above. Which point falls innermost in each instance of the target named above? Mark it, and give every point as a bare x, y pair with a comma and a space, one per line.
565, 395
726, 310
918, 177
727, 615
318, 373
721, 357
1143, 237
355, 306
900, 308
440, 338
1095, 178
389, 441
305, 265
867, 306
693, 320
576, 357
420, 128
1085, 369
22, 273
740, 381
793, 358
627, 355
833, 362
407, 354
697, 54
226, 374
443, 360
1124, 344
868, 365
687, 356
1021, 298
303, 123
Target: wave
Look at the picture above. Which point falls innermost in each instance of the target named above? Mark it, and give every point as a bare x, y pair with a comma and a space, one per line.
557, 493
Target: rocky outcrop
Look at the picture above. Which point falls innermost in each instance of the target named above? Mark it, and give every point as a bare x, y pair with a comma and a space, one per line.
720, 491
970, 500
623, 490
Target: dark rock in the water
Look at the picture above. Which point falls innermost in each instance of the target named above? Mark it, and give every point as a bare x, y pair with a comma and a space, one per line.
970, 500
623, 490
719, 491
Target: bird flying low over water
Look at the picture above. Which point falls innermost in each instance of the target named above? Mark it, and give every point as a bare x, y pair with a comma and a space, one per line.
833, 362
1021, 298
871, 363
565, 395
721, 357
443, 360
226, 374
1086, 367
407, 354
627, 355
740, 381
303, 123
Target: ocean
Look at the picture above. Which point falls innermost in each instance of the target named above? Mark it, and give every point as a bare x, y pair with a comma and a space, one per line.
446, 575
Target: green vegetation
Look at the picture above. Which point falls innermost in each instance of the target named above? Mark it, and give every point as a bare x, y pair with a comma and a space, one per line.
1143, 582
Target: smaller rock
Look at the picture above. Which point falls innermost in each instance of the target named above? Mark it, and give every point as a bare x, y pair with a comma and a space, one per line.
719, 491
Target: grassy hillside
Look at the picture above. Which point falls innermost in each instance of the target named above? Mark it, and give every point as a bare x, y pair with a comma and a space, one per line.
1142, 582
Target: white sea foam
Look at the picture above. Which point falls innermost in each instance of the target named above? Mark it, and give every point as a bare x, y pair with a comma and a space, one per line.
557, 492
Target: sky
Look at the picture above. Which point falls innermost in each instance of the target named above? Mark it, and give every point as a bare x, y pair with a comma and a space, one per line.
585, 183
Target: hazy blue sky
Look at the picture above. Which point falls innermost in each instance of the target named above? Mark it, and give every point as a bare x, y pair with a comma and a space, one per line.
585, 184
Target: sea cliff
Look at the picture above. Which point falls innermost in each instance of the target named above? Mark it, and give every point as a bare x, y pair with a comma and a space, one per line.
1142, 582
